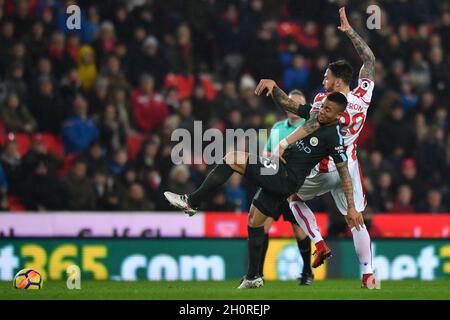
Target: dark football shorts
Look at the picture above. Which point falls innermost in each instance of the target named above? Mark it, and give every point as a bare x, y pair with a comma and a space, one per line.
286, 212
275, 187
273, 205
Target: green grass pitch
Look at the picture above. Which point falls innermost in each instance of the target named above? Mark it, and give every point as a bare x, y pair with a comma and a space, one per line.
223, 290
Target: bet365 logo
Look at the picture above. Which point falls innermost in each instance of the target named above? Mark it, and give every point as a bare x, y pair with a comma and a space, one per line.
73, 22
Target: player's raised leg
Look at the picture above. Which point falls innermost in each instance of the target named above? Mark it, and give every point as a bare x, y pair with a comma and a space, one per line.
235, 161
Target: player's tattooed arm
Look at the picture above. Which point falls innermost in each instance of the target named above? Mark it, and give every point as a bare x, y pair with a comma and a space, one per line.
364, 52
311, 125
353, 218
366, 55
347, 185
282, 100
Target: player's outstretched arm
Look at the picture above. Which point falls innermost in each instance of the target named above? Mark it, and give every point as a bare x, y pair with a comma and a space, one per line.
280, 98
311, 125
354, 217
365, 53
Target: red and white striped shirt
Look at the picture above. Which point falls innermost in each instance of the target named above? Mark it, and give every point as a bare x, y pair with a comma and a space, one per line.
351, 122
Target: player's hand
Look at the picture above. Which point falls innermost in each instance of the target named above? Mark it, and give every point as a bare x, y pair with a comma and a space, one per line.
354, 219
263, 85
278, 152
345, 25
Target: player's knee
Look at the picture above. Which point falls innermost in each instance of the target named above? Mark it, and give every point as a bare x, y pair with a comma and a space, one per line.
255, 218
251, 221
267, 225
251, 213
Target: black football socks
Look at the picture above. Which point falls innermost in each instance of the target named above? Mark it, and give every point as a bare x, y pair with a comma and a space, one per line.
218, 176
255, 247
263, 254
305, 250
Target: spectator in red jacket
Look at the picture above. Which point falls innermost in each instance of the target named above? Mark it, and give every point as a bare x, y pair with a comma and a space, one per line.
149, 108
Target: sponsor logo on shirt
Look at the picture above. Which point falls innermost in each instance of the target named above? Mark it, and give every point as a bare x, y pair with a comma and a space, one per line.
314, 141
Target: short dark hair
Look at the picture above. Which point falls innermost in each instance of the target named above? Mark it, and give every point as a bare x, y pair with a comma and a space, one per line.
342, 69
339, 99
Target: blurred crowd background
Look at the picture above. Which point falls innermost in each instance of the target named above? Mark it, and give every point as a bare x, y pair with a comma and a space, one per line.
87, 115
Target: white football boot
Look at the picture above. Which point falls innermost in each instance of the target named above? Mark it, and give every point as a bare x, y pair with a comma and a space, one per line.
251, 284
180, 201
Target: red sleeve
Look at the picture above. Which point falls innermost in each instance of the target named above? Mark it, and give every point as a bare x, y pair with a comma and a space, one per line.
318, 101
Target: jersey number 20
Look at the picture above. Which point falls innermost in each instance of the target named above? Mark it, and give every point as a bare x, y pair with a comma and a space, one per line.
352, 123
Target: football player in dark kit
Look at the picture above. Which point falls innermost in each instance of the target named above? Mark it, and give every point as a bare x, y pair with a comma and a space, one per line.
278, 180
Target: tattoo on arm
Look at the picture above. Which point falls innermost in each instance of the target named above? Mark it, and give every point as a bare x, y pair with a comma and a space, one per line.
365, 53
346, 181
282, 100
312, 124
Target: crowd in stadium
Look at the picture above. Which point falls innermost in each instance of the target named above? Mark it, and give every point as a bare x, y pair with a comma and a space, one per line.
87, 115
